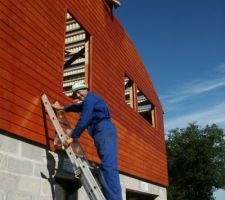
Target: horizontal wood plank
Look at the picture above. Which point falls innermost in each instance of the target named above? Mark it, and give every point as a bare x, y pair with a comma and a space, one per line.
32, 41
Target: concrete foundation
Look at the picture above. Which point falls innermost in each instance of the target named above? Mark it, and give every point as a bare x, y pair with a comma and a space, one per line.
29, 172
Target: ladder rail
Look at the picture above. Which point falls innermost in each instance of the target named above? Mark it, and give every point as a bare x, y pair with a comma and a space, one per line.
64, 122
86, 177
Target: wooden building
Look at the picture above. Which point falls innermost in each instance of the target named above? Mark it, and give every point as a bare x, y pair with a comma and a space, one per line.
46, 46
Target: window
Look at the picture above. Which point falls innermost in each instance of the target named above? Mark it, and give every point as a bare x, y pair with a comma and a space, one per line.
76, 55
135, 195
128, 84
135, 98
66, 189
145, 107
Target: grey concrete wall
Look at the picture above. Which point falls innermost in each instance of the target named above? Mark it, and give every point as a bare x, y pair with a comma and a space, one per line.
27, 172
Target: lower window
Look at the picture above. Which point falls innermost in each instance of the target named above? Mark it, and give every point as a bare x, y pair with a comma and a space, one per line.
132, 195
66, 189
145, 108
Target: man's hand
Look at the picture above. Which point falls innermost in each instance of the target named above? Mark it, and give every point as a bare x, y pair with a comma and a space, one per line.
57, 106
69, 132
68, 142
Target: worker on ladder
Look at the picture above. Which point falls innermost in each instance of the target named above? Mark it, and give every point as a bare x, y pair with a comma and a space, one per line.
95, 117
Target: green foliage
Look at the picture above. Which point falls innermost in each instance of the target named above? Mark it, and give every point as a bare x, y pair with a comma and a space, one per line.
196, 162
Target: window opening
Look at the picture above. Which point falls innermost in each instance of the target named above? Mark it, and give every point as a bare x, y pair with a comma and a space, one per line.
129, 97
145, 107
66, 189
135, 195
76, 55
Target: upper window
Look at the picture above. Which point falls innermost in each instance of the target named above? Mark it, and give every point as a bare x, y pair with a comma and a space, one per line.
128, 84
76, 55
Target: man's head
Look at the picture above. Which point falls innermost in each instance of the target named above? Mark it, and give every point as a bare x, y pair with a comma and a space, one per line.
79, 90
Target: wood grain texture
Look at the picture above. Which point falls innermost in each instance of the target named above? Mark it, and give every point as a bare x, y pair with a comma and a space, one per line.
32, 40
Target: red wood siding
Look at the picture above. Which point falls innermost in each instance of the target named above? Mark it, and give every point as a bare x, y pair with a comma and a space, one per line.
32, 36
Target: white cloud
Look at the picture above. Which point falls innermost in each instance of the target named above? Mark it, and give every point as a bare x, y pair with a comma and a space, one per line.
192, 90
220, 194
221, 68
195, 87
215, 115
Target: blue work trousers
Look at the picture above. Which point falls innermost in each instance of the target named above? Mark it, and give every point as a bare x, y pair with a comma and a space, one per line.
105, 137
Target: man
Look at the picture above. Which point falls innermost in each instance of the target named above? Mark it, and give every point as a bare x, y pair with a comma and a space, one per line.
95, 116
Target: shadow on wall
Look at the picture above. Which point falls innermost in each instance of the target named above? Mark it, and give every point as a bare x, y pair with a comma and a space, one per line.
51, 170
64, 185
109, 9
51, 164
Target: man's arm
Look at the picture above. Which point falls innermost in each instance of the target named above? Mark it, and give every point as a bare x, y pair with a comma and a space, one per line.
76, 107
85, 117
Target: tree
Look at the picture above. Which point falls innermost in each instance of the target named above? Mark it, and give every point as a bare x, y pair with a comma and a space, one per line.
196, 162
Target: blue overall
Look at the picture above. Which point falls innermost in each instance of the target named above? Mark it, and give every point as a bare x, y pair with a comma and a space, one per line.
95, 116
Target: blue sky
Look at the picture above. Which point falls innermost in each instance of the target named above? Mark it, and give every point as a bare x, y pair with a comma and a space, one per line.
182, 44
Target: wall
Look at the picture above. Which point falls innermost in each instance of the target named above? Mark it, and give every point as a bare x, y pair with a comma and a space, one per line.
21, 165
32, 37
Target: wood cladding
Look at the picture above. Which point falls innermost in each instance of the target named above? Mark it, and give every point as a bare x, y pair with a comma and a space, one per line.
32, 39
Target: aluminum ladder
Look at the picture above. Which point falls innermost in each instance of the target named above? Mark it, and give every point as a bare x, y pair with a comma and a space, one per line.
79, 161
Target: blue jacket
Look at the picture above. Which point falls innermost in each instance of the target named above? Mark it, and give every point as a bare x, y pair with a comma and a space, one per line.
93, 109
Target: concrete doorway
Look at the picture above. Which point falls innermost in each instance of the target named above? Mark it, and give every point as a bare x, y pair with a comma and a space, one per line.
134, 195
66, 189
